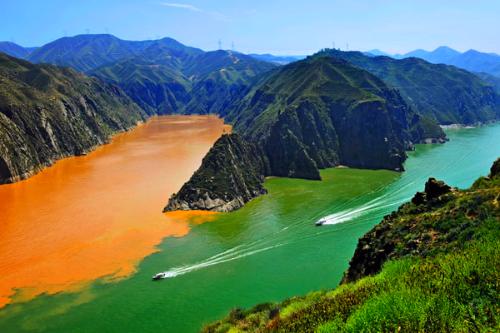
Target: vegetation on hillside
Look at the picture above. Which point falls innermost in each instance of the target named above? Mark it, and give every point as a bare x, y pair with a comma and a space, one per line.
308, 115
442, 274
445, 93
48, 112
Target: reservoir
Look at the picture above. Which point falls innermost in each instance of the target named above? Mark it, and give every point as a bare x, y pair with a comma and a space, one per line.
81, 240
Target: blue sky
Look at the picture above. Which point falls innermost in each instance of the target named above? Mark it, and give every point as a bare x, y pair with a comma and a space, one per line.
275, 26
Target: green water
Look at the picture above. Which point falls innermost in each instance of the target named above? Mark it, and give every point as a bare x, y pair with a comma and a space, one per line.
267, 251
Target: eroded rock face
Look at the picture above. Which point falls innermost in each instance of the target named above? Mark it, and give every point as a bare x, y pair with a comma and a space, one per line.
433, 190
47, 113
231, 174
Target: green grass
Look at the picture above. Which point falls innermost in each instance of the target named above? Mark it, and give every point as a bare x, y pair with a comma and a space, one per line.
452, 286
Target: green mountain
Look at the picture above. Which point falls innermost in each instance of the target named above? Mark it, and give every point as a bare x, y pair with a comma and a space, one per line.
445, 93
47, 113
219, 78
186, 80
315, 113
332, 111
157, 88
87, 52
430, 266
493, 81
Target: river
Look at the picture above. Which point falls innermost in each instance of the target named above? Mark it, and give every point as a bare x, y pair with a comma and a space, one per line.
267, 251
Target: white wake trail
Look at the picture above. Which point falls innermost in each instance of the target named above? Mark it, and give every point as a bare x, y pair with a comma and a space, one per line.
214, 260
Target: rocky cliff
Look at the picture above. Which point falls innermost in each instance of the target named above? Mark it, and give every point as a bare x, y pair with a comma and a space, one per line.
319, 113
47, 113
232, 173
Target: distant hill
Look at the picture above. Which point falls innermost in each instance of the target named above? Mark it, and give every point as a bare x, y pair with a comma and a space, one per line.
47, 113
15, 50
87, 52
376, 52
280, 60
472, 60
445, 93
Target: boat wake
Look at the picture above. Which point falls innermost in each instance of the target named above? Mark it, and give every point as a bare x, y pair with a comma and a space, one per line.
372, 207
234, 253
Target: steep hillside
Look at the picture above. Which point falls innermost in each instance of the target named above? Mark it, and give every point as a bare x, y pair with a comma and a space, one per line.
231, 175
48, 112
431, 266
166, 80
313, 114
493, 81
219, 78
327, 112
445, 93
157, 88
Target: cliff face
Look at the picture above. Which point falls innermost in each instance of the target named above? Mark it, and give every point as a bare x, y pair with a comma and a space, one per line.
321, 112
431, 266
232, 173
313, 114
47, 113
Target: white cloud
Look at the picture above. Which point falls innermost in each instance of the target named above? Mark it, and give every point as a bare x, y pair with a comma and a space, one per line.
214, 14
182, 6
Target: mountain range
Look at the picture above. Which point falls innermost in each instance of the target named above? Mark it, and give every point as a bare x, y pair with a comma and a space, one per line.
311, 114
331, 108
471, 60
445, 93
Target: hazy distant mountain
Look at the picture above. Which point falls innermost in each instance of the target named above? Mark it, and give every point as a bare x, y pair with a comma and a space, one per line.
15, 50
441, 55
472, 60
376, 52
445, 93
280, 60
87, 52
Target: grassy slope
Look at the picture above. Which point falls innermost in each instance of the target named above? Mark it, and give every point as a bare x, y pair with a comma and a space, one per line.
451, 287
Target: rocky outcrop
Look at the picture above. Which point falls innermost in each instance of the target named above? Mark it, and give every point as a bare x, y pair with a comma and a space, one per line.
47, 113
231, 174
433, 190
438, 219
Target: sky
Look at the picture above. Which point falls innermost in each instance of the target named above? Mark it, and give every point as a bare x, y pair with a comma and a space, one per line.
274, 26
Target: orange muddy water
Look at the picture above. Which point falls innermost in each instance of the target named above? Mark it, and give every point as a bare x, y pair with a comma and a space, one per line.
98, 215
